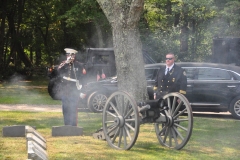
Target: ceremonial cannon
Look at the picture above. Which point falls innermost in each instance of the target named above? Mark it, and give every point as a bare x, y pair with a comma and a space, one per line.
171, 115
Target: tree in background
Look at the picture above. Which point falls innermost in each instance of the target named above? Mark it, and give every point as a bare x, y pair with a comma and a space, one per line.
229, 19
33, 33
180, 27
188, 27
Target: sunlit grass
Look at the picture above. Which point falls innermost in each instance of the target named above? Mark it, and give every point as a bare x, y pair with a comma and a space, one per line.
26, 92
211, 139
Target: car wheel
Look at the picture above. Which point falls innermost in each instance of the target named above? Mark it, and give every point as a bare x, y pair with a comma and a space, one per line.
235, 107
96, 101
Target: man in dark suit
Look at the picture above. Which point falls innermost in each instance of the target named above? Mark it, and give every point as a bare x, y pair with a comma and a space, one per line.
171, 78
72, 73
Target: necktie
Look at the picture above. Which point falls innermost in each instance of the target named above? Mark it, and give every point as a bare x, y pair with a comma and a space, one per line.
167, 71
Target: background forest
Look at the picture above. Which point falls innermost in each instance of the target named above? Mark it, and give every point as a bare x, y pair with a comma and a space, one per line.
33, 33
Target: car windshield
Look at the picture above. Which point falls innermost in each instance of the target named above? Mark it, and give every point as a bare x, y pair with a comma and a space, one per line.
101, 59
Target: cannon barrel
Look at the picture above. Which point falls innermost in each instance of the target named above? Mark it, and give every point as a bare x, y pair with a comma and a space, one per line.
144, 108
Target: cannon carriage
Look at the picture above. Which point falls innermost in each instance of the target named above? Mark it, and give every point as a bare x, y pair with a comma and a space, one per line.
171, 115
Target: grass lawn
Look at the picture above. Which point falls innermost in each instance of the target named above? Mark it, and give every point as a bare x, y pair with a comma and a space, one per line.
26, 92
211, 138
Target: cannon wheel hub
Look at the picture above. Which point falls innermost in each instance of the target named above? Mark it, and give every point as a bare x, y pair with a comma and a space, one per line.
119, 121
170, 121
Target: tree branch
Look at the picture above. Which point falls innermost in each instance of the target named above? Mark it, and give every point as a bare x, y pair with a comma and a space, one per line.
134, 14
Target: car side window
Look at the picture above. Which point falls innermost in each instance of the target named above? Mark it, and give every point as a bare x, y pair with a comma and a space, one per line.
101, 59
151, 73
236, 76
190, 72
213, 74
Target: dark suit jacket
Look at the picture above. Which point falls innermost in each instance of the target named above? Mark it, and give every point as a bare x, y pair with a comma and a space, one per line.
174, 81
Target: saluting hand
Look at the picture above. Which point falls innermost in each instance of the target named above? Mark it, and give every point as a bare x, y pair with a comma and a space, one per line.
70, 59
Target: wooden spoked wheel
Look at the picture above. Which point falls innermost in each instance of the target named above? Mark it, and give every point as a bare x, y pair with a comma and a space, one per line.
121, 121
96, 102
176, 128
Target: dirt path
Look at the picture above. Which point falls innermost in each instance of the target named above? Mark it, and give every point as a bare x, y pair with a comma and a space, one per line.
28, 107
58, 108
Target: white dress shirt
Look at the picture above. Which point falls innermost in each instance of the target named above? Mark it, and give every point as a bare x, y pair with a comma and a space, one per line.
166, 70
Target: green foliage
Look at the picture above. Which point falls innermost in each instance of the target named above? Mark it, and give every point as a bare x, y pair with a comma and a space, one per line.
44, 28
231, 15
47, 27
84, 11
166, 19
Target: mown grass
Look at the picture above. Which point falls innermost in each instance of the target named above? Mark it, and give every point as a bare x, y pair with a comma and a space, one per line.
212, 138
32, 91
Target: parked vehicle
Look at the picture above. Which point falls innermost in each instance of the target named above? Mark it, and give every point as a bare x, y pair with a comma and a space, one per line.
211, 87
99, 62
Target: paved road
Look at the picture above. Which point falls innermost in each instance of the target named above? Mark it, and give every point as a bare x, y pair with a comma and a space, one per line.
27, 107
36, 108
58, 108
213, 115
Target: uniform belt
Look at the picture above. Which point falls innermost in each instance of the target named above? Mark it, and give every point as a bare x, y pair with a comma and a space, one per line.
79, 86
69, 79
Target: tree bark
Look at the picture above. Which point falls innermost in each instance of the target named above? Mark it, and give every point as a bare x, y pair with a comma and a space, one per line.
124, 15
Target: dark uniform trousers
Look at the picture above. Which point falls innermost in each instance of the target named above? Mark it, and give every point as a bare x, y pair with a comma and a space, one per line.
70, 101
70, 96
174, 81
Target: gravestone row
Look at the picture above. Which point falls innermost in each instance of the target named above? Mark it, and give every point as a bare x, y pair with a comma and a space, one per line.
35, 142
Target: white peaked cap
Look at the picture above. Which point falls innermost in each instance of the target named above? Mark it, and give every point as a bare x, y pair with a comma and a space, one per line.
69, 50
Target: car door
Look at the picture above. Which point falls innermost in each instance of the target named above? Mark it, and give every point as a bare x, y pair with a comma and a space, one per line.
191, 75
150, 74
212, 86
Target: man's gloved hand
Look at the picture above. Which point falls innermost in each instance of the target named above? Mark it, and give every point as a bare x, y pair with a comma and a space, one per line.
69, 59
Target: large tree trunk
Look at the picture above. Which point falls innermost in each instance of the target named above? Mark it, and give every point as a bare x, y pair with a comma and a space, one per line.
124, 16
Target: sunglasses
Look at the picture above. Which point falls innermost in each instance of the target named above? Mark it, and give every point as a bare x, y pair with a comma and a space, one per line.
169, 58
